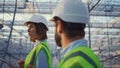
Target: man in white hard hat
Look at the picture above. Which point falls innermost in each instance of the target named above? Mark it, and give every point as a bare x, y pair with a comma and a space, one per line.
70, 18
40, 55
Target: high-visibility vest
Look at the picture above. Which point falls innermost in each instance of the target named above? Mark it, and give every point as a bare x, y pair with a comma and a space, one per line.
32, 56
80, 57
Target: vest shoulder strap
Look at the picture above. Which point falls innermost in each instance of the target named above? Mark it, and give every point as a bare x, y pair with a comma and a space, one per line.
83, 55
44, 47
82, 52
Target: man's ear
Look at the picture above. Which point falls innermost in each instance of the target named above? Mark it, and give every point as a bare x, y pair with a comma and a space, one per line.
59, 27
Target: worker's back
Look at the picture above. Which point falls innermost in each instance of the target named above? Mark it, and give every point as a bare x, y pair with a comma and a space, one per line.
80, 57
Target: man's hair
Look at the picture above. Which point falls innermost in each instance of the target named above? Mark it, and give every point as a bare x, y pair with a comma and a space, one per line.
41, 30
72, 29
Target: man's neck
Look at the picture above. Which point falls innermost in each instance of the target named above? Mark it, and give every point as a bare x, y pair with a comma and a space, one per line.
65, 41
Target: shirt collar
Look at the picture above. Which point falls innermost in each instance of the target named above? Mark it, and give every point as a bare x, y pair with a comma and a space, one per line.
74, 44
36, 43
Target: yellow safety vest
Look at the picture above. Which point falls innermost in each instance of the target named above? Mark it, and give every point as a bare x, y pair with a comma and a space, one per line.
33, 54
80, 57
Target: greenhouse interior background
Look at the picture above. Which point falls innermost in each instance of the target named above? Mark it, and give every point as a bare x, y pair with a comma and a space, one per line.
103, 32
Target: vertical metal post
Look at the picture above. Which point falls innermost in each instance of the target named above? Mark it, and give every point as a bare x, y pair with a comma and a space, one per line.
89, 31
12, 23
89, 35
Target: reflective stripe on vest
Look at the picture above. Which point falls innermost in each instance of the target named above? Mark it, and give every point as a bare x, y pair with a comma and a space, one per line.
32, 56
84, 53
87, 58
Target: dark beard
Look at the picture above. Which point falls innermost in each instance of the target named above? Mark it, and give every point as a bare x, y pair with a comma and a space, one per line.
58, 40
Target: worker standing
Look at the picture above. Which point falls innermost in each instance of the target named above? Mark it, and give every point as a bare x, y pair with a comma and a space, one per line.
40, 55
70, 18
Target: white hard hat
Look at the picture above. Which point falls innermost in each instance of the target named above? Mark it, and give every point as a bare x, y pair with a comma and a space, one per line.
37, 18
72, 11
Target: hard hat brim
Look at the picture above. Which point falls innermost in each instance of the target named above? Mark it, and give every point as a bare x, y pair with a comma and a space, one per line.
55, 18
52, 19
28, 22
